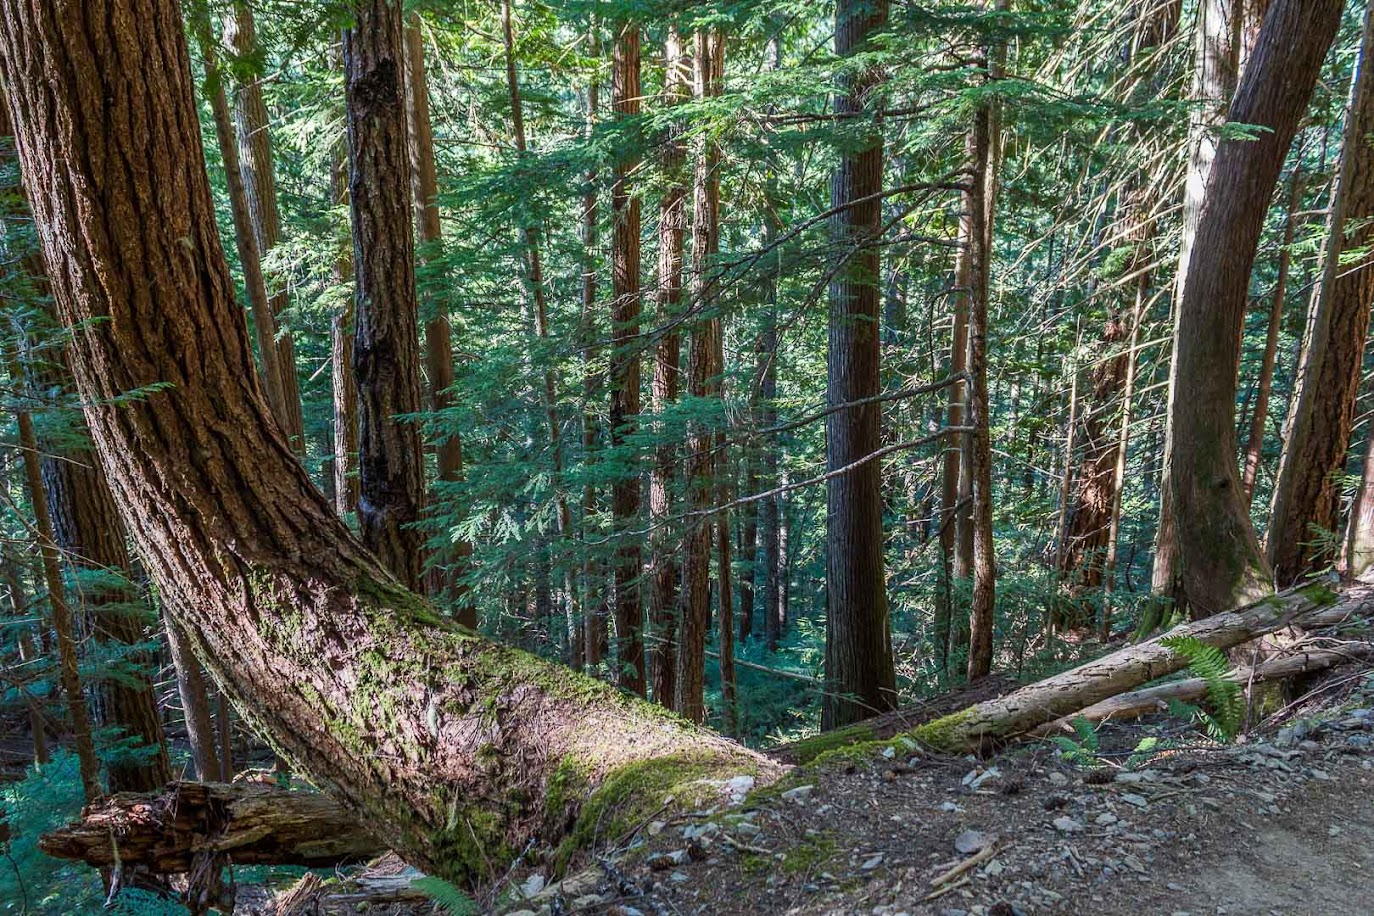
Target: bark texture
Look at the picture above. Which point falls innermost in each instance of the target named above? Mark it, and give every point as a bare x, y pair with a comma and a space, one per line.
858, 644
385, 312
452, 750
1216, 559
1305, 515
624, 367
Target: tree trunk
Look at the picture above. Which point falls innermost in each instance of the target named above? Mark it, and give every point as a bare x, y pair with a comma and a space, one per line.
1215, 73
453, 750
260, 193
385, 343
195, 704
28, 650
596, 638
858, 637
1359, 545
1217, 562
1305, 516
986, 145
769, 352
1254, 445
343, 385
438, 353
624, 369
672, 226
704, 379
67, 661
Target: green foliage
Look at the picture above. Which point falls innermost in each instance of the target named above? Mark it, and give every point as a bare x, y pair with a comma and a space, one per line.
31, 883
1225, 700
452, 900
1082, 750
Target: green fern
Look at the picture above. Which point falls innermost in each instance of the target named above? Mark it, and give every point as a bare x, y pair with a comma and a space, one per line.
447, 896
1224, 697
1082, 751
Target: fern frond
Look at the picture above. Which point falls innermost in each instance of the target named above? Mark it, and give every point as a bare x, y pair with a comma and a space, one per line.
1223, 691
446, 895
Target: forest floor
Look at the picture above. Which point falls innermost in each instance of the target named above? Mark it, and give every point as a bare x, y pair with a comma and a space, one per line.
1279, 823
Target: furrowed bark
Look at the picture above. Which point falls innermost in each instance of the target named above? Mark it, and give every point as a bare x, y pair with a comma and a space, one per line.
452, 750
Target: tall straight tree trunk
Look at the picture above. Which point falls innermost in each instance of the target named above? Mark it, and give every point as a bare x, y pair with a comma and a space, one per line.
1307, 495
1359, 544
343, 385
624, 367
704, 380
1254, 445
768, 510
438, 335
1215, 72
672, 227
596, 638
1217, 562
984, 181
386, 339
60, 611
858, 638
28, 648
260, 190
302, 627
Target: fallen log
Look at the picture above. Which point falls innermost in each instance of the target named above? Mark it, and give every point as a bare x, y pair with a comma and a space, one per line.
1156, 699
989, 723
168, 832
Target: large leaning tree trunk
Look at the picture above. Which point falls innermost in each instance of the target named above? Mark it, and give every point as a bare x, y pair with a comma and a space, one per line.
1216, 559
391, 473
1307, 495
453, 750
858, 634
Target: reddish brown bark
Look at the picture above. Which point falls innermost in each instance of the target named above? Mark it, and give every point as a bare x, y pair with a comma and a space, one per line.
858, 646
385, 313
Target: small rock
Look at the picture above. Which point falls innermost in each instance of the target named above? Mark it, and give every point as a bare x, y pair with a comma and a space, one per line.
698, 831
889, 752
1321, 775
872, 862
1134, 864
950, 807
1067, 825
523, 913
666, 860
678, 877
587, 902
970, 841
1138, 801
656, 827
993, 868
533, 884
1105, 819
738, 787
1333, 830
799, 794
1058, 779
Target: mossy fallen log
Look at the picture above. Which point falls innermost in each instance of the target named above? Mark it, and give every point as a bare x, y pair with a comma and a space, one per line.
985, 725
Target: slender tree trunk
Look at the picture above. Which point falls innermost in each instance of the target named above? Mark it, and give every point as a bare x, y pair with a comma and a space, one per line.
672, 226
704, 379
1217, 562
260, 191
195, 704
596, 638
858, 639
67, 661
1122, 450
28, 650
624, 369
1254, 445
1359, 547
302, 627
385, 342
438, 346
768, 510
1305, 516
344, 386
984, 182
